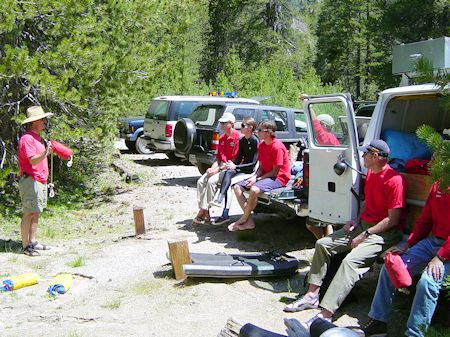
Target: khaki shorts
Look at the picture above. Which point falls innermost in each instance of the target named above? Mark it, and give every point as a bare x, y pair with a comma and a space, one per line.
33, 195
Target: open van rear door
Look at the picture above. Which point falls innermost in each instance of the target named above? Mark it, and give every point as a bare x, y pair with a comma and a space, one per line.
333, 140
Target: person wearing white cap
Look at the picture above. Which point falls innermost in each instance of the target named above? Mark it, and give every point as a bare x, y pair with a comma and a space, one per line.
227, 151
32, 156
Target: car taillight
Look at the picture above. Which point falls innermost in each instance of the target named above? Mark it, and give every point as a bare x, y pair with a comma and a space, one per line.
169, 130
215, 142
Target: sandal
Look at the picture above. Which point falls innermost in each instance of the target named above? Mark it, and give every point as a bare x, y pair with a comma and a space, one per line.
29, 250
198, 221
39, 246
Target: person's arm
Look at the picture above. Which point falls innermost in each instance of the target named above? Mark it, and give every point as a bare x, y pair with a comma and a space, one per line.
36, 159
215, 168
391, 221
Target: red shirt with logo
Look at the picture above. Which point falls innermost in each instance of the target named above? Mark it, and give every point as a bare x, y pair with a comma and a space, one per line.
323, 136
30, 144
434, 219
228, 146
383, 191
275, 154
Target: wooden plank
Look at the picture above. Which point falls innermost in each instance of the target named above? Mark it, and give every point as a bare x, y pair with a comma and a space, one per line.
139, 222
418, 186
179, 255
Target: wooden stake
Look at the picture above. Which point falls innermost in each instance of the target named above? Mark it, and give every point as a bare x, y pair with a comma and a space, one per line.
179, 255
139, 223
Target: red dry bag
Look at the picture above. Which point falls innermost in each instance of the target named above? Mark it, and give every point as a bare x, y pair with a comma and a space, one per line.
61, 150
397, 271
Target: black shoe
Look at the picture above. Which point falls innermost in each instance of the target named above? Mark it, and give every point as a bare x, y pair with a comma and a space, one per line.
221, 220
375, 328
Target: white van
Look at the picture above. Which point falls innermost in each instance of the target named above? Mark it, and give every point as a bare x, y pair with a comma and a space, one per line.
401, 110
165, 111
398, 112
331, 191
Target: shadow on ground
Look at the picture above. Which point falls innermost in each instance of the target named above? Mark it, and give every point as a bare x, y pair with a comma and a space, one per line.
161, 162
272, 233
182, 181
10, 246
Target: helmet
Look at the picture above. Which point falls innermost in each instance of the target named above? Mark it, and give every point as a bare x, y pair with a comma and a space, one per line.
339, 332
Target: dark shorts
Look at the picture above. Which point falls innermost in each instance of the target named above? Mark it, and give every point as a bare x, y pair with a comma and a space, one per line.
266, 184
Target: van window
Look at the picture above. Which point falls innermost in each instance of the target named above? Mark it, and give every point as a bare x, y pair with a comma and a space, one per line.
300, 121
279, 117
158, 110
241, 113
207, 114
180, 110
329, 124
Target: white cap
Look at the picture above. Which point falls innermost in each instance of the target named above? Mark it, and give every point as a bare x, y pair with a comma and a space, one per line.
326, 119
227, 117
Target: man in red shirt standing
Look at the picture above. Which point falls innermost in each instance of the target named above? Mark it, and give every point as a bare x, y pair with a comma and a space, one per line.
378, 229
207, 184
32, 155
273, 172
430, 250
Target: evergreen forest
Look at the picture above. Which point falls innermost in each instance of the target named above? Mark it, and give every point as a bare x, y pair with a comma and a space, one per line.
93, 61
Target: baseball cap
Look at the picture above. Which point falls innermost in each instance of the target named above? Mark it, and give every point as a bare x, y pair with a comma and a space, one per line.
326, 119
376, 146
227, 117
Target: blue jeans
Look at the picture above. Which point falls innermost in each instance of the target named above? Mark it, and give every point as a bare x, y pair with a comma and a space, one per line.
427, 290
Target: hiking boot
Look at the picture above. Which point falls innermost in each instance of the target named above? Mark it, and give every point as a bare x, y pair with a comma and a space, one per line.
375, 328
303, 303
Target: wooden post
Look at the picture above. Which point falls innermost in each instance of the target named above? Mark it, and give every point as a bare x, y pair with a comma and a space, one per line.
179, 255
139, 222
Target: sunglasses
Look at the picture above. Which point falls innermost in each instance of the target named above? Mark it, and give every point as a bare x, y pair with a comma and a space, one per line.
263, 130
243, 126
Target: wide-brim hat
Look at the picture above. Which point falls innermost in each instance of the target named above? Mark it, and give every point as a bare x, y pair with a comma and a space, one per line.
35, 113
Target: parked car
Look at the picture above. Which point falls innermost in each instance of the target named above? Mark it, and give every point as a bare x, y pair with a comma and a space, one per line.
164, 111
132, 131
197, 137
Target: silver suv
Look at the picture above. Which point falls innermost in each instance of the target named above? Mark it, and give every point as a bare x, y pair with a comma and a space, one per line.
164, 111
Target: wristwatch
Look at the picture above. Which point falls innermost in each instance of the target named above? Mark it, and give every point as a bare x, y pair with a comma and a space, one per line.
367, 233
443, 259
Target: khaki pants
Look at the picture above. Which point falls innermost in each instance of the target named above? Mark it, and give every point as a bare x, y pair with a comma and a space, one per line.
355, 264
206, 189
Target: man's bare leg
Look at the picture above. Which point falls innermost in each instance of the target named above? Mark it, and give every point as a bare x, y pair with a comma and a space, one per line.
251, 204
239, 192
33, 227
25, 228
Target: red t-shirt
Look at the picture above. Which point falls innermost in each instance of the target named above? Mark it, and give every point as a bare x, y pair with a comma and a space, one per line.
30, 144
275, 154
324, 137
434, 218
383, 190
228, 146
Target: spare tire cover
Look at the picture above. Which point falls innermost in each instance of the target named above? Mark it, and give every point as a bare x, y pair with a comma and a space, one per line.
184, 135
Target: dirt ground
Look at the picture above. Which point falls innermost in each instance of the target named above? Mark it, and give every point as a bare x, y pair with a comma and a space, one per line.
125, 286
